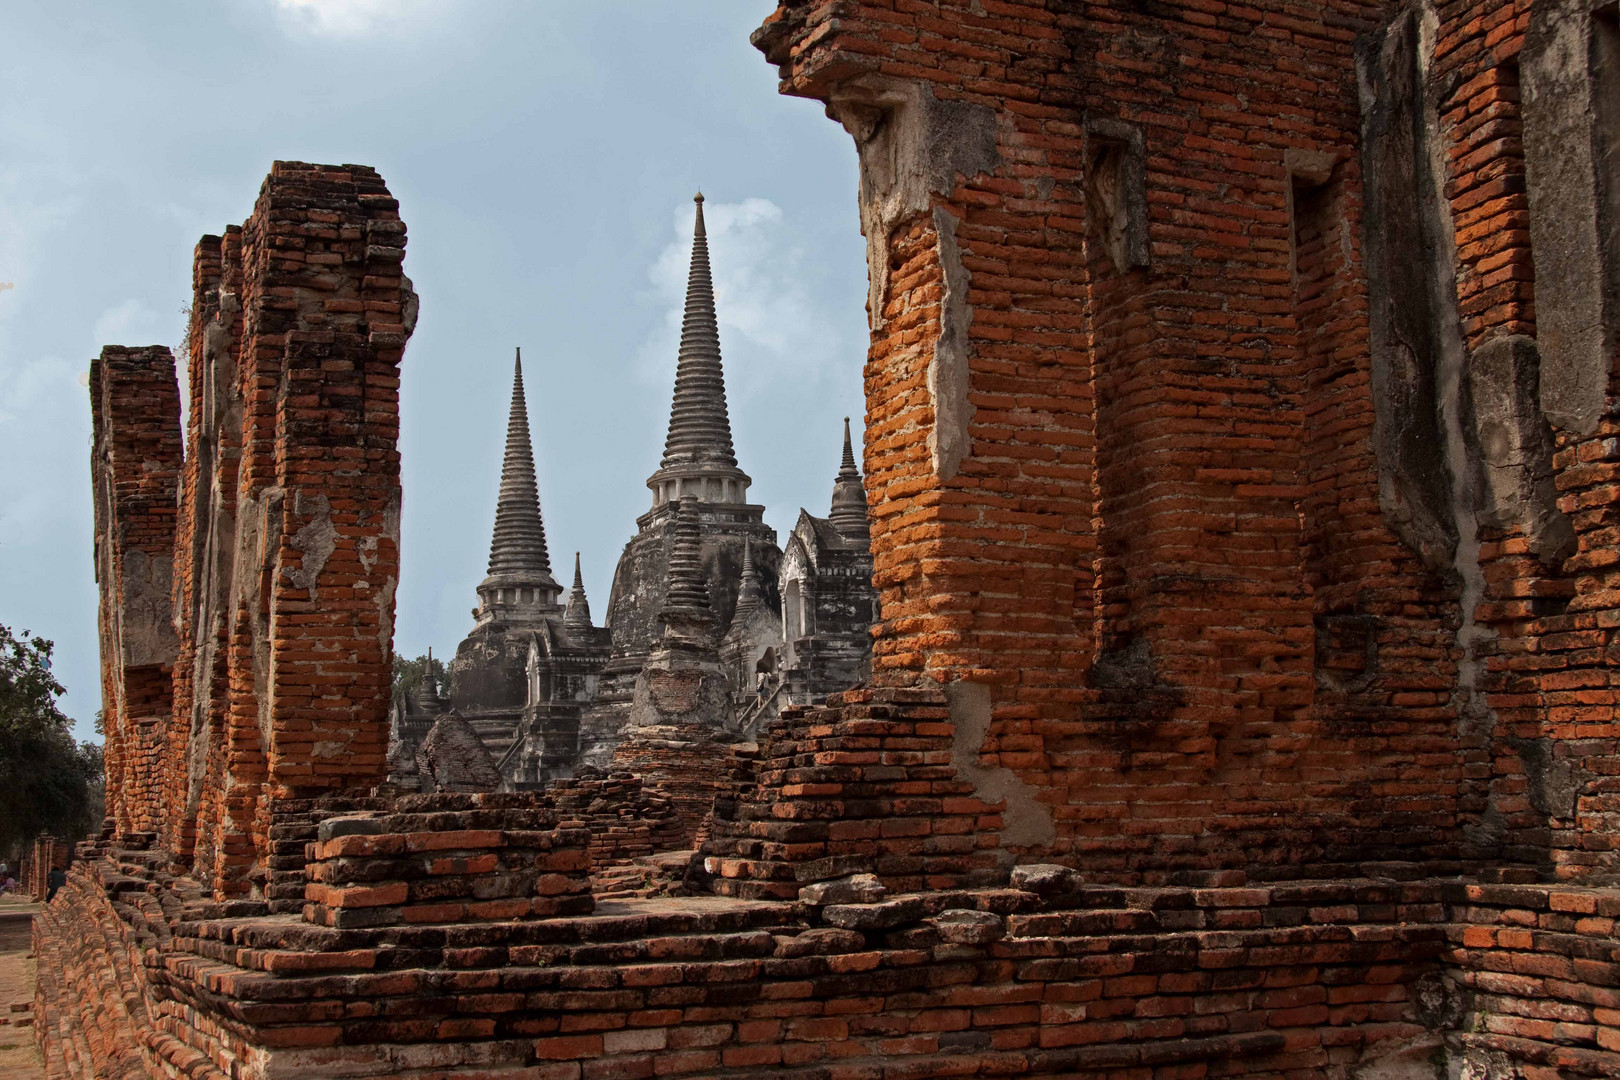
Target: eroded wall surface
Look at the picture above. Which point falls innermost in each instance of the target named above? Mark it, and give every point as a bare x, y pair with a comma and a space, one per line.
135, 466
264, 595
1210, 425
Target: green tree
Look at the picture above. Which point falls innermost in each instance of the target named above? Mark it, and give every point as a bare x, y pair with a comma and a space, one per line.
47, 782
408, 673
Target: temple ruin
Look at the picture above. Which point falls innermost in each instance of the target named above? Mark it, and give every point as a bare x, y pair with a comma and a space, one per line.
1240, 459
536, 691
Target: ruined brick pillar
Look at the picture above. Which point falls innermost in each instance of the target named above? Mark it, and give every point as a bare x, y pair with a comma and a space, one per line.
135, 465
288, 545
1209, 463
1527, 103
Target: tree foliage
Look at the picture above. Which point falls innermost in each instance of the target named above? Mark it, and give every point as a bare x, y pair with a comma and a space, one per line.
408, 673
47, 782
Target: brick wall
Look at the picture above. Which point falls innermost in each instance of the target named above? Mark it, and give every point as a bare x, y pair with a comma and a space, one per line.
289, 531
1201, 426
1523, 124
46, 854
135, 469
448, 858
1072, 979
689, 764
627, 818
866, 784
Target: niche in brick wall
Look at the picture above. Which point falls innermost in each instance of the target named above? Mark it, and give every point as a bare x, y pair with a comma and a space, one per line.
1125, 671
1116, 192
1414, 327
1327, 302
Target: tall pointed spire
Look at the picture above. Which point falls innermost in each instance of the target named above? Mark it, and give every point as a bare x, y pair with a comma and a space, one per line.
848, 513
698, 455
519, 543
699, 429
519, 565
577, 615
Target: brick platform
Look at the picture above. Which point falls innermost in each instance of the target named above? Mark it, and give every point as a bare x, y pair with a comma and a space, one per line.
1050, 976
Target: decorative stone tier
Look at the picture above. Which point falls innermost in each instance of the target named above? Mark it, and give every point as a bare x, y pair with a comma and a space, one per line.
448, 858
1050, 976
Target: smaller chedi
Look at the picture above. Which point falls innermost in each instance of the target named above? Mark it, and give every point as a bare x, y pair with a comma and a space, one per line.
703, 599
828, 601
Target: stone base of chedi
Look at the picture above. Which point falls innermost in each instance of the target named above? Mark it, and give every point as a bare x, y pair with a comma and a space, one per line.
1243, 499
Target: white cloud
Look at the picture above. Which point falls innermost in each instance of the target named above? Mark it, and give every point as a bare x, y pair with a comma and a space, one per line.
43, 420
360, 18
32, 208
770, 323
129, 322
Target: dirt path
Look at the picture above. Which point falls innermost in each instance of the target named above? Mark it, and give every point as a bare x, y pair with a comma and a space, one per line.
18, 1058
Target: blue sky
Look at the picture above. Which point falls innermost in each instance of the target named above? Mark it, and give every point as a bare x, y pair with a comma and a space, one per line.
544, 155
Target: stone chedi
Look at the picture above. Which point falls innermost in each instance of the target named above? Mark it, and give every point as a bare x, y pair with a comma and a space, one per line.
828, 601
546, 692
699, 463
520, 678
749, 649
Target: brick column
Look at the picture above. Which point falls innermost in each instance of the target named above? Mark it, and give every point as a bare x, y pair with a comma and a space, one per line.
289, 540
135, 471
1152, 469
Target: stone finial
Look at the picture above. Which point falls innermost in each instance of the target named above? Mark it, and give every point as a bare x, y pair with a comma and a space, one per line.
698, 453
686, 601
577, 615
518, 558
427, 691
848, 513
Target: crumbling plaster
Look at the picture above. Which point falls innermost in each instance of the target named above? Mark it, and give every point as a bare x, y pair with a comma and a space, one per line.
1571, 143
913, 148
1025, 821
